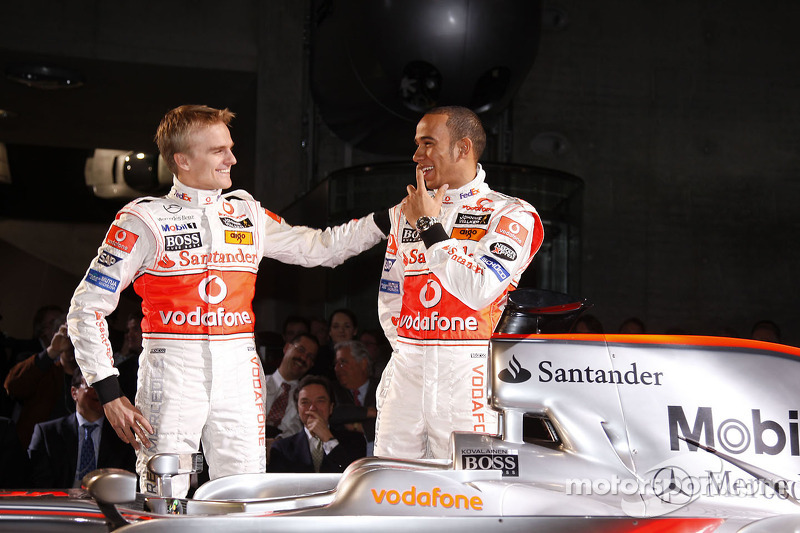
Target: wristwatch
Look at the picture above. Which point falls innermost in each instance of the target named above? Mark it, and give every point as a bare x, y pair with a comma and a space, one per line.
424, 223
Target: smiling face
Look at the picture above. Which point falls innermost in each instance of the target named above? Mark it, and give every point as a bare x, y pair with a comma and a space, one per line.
439, 161
207, 163
298, 358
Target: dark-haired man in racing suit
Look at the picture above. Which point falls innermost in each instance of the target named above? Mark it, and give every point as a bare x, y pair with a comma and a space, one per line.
193, 257
449, 264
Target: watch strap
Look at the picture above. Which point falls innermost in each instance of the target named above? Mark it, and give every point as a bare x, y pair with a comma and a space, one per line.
434, 234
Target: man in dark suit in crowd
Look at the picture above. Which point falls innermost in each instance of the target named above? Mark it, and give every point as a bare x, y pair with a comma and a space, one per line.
316, 447
354, 394
64, 450
40, 383
45, 324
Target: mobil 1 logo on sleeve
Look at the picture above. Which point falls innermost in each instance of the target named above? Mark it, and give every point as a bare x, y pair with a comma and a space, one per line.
490, 460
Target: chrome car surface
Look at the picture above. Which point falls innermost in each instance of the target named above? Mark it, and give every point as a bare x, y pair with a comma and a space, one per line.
598, 433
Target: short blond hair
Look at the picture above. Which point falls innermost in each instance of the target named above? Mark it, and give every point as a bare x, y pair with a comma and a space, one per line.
176, 126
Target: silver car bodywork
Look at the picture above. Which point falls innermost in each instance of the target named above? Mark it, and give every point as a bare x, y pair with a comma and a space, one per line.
599, 433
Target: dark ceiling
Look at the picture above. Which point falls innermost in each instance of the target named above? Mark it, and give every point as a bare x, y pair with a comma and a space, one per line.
49, 133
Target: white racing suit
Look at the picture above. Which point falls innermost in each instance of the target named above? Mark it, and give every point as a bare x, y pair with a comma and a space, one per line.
193, 257
438, 302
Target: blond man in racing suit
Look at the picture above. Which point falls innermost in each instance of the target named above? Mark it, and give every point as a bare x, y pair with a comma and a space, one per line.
193, 257
450, 260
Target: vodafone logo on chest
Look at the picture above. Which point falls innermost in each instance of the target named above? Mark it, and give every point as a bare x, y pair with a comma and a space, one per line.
431, 294
212, 290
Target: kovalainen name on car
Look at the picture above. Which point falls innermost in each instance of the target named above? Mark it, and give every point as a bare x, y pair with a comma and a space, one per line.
633, 376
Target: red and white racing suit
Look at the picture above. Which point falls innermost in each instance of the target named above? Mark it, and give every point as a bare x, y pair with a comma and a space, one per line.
193, 257
438, 303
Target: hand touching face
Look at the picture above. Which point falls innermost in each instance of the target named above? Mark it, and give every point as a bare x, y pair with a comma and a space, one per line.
315, 407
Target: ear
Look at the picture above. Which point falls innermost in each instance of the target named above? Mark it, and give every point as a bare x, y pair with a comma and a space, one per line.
74, 394
181, 160
464, 147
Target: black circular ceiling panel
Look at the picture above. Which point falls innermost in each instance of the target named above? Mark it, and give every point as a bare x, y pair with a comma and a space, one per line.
377, 66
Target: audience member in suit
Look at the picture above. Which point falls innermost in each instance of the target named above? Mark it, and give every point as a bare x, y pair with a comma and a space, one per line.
317, 447
46, 321
40, 384
355, 392
64, 450
298, 357
14, 465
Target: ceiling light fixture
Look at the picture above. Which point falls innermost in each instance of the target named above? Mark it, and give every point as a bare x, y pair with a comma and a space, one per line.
44, 76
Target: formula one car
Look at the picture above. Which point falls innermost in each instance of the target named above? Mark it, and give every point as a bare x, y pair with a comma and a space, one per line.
599, 433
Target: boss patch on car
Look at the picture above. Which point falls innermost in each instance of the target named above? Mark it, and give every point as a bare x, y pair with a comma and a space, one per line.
507, 464
503, 251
